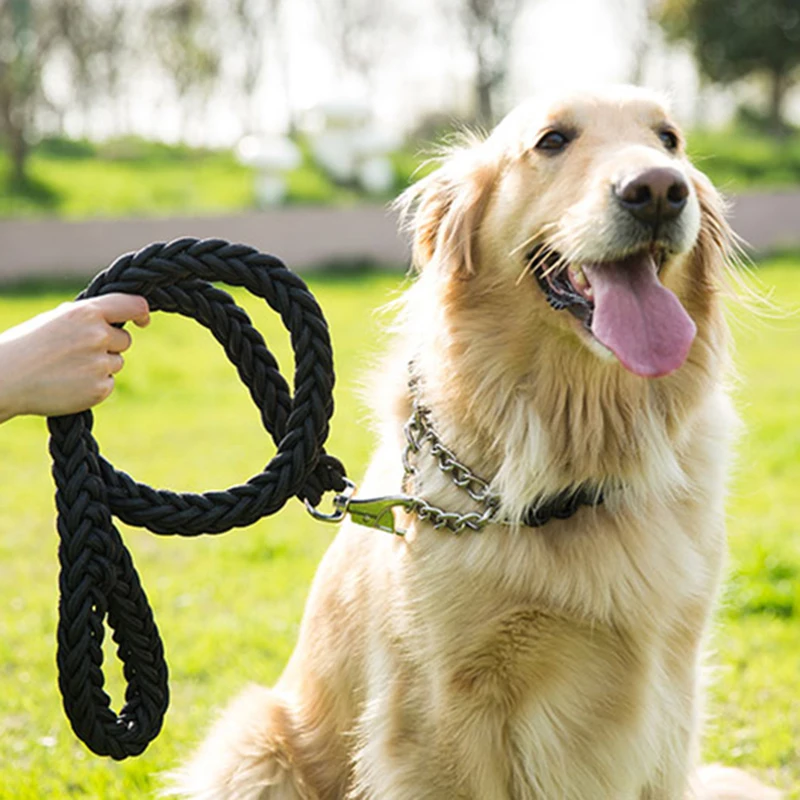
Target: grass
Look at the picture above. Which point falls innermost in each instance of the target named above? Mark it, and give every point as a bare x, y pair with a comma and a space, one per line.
134, 177
229, 606
737, 159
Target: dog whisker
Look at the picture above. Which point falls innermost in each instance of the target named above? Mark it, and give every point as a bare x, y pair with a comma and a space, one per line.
542, 254
540, 234
561, 262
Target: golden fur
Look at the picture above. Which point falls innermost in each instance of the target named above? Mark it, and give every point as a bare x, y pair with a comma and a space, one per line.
558, 663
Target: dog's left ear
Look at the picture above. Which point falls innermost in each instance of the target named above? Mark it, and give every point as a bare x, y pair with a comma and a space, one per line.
444, 210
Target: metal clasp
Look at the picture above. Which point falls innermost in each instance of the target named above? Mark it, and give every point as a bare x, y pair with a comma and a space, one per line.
341, 503
373, 512
378, 512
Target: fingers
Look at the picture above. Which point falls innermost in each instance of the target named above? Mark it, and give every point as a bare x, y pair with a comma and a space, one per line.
120, 307
104, 389
115, 363
118, 340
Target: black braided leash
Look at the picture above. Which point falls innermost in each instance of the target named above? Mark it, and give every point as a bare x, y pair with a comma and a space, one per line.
98, 580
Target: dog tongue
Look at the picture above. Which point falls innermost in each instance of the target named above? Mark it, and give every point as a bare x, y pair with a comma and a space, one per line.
637, 318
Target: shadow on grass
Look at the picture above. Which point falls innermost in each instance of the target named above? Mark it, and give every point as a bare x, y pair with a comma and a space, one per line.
779, 253
38, 287
349, 270
334, 272
28, 195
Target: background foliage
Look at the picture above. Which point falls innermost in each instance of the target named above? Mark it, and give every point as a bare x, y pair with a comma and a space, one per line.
131, 176
79, 65
732, 39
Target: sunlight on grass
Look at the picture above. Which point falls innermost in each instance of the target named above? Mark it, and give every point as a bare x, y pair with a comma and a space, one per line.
228, 607
136, 177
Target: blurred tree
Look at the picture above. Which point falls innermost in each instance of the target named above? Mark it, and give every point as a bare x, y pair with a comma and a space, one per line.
26, 40
357, 31
254, 21
188, 48
643, 38
96, 37
280, 45
735, 38
488, 28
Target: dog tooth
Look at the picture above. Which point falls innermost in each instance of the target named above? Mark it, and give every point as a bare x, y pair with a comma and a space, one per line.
578, 278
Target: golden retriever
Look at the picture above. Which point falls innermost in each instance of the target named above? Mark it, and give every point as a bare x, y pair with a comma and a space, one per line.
566, 343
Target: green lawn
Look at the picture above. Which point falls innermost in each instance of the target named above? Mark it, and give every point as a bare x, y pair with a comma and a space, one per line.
228, 607
134, 177
737, 159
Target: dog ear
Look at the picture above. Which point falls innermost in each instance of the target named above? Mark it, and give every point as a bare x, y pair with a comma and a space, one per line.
443, 211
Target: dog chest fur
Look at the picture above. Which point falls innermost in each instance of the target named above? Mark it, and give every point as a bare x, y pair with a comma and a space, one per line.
484, 633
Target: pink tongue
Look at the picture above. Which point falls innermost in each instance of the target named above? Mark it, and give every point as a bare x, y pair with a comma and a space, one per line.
639, 320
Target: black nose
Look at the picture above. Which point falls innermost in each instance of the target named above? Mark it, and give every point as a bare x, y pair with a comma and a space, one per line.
654, 195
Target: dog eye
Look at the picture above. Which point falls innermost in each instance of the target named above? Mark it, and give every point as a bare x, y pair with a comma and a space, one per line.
553, 142
669, 139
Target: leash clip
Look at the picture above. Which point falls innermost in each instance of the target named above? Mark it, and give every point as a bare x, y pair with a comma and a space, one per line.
372, 512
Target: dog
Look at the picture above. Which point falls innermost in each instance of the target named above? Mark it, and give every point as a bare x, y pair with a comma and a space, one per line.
556, 405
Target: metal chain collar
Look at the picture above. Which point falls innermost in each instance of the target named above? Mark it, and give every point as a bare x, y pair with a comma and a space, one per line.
378, 512
418, 432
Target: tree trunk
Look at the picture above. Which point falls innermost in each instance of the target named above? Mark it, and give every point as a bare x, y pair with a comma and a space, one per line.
778, 88
19, 157
14, 133
485, 110
484, 107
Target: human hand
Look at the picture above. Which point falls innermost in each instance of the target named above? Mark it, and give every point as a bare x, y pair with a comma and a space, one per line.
64, 361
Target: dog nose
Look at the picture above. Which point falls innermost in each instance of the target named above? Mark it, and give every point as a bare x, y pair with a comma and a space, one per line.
655, 195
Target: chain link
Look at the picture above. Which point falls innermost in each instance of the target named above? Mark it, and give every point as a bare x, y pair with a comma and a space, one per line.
378, 512
420, 431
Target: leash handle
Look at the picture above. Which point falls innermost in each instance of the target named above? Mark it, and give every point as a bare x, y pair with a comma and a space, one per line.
98, 582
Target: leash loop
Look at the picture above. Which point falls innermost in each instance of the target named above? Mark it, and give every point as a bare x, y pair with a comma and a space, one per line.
341, 505
98, 581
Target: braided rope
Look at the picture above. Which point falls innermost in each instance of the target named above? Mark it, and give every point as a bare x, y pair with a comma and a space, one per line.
98, 580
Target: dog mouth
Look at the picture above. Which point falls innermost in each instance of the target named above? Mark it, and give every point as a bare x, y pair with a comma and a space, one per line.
563, 288
622, 304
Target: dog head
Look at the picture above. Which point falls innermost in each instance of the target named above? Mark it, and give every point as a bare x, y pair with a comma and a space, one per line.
586, 215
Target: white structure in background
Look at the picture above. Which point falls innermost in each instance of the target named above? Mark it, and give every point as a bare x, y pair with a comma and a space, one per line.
272, 157
347, 144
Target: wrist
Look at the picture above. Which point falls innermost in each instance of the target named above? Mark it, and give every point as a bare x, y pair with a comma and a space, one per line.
10, 405
8, 408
